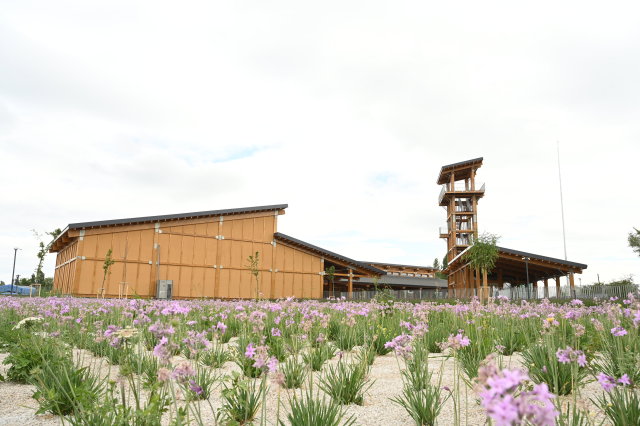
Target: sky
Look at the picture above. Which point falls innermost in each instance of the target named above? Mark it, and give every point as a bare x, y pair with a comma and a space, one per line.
345, 110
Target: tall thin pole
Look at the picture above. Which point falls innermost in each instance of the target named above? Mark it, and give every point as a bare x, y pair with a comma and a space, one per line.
564, 238
15, 253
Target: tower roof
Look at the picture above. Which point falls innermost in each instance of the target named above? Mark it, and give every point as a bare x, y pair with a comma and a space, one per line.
462, 169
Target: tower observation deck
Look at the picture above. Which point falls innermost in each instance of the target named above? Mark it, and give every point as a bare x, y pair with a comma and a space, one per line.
460, 196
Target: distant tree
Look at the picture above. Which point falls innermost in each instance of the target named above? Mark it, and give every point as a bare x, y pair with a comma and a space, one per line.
436, 264
445, 263
634, 241
2, 283
622, 281
47, 283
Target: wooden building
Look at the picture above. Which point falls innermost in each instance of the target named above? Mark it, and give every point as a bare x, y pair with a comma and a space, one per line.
460, 196
204, 254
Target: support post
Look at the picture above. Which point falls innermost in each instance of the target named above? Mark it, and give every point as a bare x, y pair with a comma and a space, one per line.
546, 288
350, 284
573, 289
557, 287
500, 280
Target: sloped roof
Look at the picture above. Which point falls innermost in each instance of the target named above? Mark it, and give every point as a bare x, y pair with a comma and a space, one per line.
281, 236
406, 281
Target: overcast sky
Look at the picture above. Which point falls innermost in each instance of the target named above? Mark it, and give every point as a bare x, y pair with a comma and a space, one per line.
344, 110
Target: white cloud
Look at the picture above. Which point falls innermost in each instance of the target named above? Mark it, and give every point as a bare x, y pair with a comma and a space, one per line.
346, 111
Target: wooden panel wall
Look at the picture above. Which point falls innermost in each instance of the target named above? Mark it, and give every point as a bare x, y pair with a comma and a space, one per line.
65, 272
195, 256
298, 273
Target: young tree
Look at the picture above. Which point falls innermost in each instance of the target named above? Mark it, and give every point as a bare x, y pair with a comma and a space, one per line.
436, 264
634, 241
253, 270
107, 264
38, 277
483, 254
330, 273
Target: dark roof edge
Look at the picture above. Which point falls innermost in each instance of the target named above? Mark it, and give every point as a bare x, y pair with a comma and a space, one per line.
328, 253
537, 256
176, 216
395, 264
457, 164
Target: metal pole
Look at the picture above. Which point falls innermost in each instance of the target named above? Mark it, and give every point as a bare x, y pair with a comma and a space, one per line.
564, 237
526, 259
15, 253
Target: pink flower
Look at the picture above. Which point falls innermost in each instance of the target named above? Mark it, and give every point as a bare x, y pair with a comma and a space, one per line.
251, 351
618, 331
624, 380
607, 382
272, 364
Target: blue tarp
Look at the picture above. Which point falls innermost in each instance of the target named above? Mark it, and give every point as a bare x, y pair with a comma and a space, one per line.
18, 289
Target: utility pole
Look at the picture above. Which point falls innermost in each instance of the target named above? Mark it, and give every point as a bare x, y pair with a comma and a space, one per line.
15, 253
564, 236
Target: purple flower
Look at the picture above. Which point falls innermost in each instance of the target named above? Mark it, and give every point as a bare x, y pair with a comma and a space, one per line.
618, 331
192, 322
251, 351
275, 332
505, 401
607, 382
222, 327
582, 360
624, 380
183, 372
272, 364
195, 388
563, 356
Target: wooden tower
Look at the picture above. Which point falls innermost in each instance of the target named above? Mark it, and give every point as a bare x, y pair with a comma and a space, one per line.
459, 196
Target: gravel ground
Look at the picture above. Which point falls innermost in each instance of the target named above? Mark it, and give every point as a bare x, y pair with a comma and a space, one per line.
18, 408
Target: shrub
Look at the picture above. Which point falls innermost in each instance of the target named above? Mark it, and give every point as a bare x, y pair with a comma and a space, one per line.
240, 401
346, 383
308, 410
423, 405
63, 387
28, 354
215, 357
294, 372
544, 367
316, 358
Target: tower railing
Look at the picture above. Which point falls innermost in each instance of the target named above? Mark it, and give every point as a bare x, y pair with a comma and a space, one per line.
460, 187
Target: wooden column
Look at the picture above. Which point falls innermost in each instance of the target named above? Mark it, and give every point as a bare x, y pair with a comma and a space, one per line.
500, 280
216, 286
153, 282
350, 283
485, 286
572, 287
535, 287
274, 256
557, 287
473, 179
546, 288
